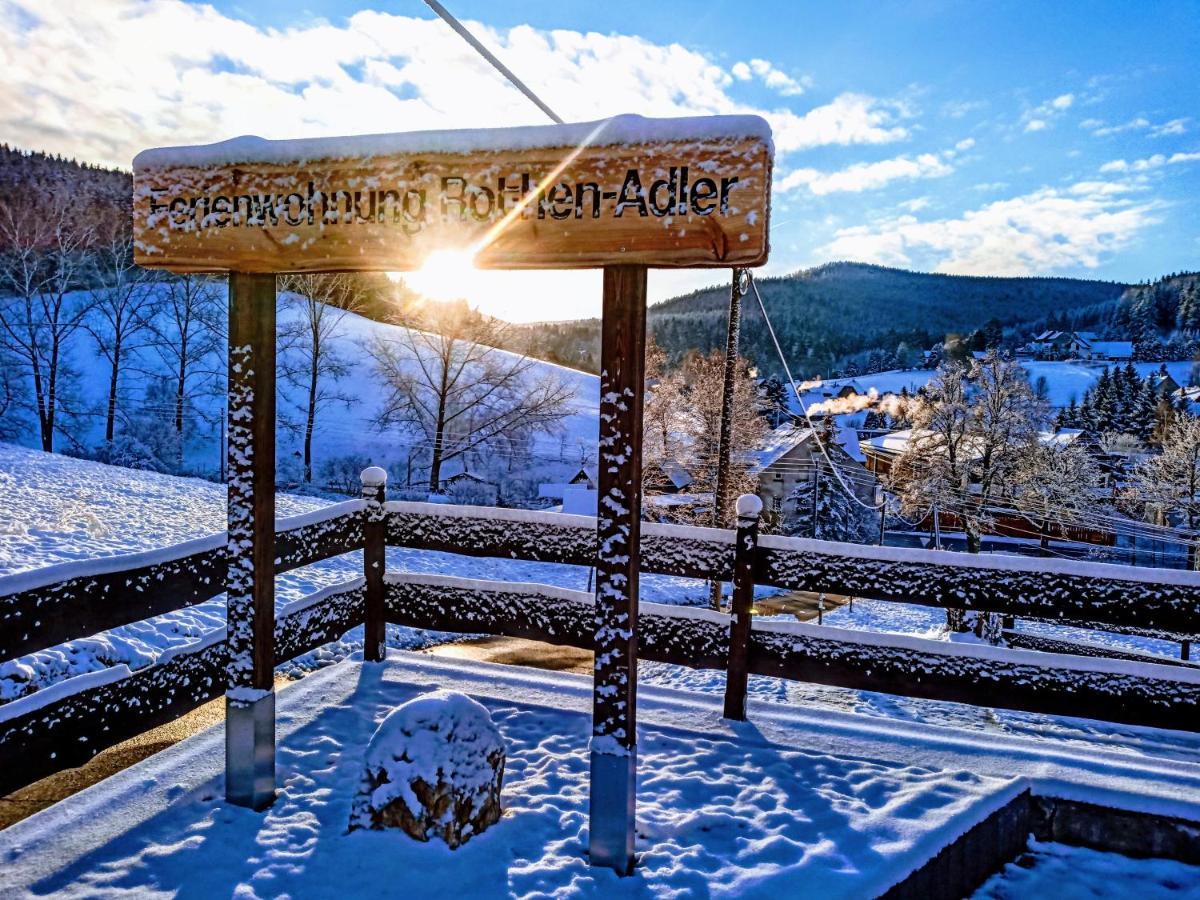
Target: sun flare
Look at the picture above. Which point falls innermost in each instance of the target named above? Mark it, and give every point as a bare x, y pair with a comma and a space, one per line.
448, 274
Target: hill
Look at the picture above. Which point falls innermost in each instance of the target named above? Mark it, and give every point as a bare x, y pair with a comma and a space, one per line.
835, 314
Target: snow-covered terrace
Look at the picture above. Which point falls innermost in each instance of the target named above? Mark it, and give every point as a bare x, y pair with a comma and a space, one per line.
796, 802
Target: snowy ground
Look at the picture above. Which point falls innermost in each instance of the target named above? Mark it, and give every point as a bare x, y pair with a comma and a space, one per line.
790, 804
55, 509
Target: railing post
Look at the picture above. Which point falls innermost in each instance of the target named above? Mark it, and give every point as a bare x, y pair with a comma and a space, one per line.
749, 508
618, 534
374, 492
250, 583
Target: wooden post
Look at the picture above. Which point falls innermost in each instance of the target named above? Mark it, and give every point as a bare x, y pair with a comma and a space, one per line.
374, 492
250, 587
749, 508
618, 532
732, 334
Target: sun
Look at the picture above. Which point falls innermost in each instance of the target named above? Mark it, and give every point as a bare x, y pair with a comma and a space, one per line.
448, 275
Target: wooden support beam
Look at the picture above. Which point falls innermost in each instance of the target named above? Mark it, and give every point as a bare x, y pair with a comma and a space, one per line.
749, 508
618, 532
250, 591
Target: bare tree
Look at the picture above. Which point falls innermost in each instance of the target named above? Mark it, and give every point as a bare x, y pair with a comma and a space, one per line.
662, 422
451, 387
44, 252
699, 387
122, 307
309, 357
188, 329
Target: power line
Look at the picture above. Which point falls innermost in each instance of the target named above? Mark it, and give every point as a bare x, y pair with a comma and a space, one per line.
487, 54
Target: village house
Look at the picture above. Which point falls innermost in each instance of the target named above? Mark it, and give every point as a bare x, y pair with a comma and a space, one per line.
1084, 345
789, 454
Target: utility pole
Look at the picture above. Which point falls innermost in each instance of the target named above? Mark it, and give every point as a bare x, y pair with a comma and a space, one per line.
937, 528
816, 490
737, 289
881, 502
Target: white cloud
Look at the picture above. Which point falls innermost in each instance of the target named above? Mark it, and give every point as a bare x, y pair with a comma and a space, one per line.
104, 80
1040, 117
1157, 161
1040, 232
867, 176
847, 119
1173, 127
1100, 128
965, 144
775, 79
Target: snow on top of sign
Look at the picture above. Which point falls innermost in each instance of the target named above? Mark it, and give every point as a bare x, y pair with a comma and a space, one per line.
624, 129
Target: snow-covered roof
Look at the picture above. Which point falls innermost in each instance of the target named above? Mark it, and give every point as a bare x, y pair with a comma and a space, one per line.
894, 443
778, 442
623, 129
678, 475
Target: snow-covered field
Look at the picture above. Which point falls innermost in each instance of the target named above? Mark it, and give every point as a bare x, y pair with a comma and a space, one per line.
1064, 380
790, 804
54, 509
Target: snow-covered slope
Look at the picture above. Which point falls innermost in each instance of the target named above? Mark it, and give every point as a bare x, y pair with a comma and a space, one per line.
341, 431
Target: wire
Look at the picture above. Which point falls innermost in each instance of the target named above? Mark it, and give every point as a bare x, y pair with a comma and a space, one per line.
803, 406
487, 54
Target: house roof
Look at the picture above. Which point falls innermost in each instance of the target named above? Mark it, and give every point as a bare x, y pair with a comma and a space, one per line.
894, 443
778, 442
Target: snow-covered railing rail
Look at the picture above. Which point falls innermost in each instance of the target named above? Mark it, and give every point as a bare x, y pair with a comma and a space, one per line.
1163, 603
1134, 692
553, 537
46, 607
68, 723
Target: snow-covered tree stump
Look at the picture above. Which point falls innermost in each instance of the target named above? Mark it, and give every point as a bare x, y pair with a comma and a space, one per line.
434, 768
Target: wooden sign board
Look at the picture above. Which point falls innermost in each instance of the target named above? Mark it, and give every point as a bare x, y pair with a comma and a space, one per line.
691, 192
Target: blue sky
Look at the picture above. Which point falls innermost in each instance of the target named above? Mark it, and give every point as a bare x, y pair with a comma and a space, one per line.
1003, 138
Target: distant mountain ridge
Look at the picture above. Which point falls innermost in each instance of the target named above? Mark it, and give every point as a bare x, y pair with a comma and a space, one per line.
843, 312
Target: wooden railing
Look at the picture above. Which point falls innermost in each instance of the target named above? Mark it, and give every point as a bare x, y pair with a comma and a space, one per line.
67, 723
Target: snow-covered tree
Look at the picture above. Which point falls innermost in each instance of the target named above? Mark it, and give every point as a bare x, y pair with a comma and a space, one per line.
44, 246
189, 331
1170, 481
122, 309
309, 359
1052, 483
701, 381
971, 429
819, 507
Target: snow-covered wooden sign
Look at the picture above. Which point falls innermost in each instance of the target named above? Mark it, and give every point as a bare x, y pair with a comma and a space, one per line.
687, 192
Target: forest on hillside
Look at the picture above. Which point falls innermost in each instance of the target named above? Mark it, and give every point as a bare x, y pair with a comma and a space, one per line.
843, 315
